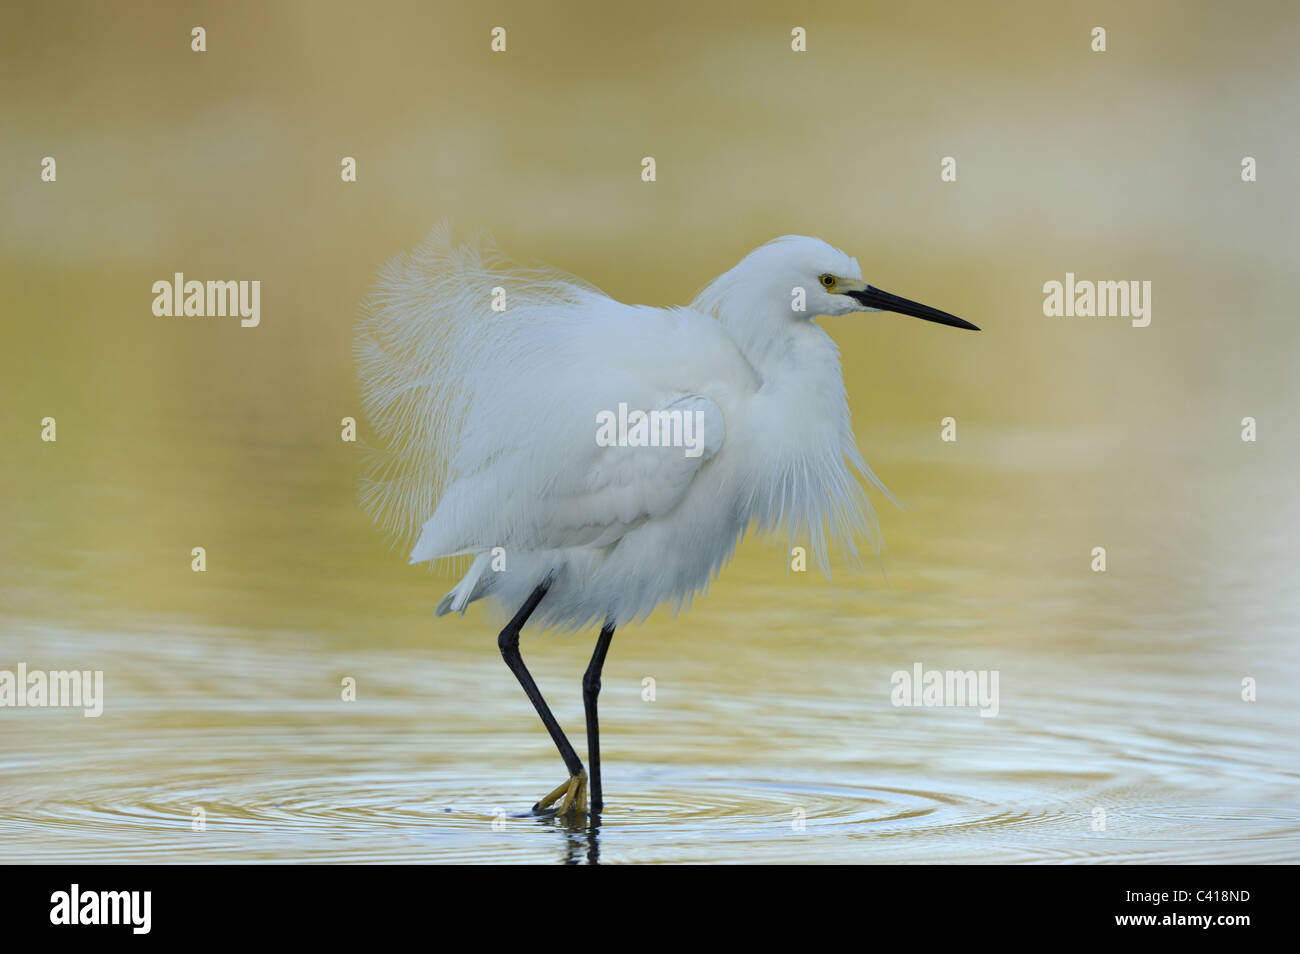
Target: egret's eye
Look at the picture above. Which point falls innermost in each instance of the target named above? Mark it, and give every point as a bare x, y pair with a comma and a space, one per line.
828, 280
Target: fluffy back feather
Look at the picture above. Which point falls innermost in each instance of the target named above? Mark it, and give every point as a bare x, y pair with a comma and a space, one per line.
426, 332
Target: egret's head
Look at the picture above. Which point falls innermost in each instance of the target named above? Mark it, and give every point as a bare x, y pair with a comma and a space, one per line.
823, 280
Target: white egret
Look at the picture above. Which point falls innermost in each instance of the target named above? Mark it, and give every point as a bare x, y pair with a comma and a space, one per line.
495, 389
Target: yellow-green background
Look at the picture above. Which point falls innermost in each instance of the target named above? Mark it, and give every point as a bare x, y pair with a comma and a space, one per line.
1073, 433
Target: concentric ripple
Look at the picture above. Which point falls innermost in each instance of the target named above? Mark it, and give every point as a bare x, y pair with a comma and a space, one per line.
230, 750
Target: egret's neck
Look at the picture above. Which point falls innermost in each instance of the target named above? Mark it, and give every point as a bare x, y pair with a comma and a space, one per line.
789, 354
798, 365
801, 392
802, 388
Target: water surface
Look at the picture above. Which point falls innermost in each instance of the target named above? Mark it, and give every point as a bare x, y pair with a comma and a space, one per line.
771, 735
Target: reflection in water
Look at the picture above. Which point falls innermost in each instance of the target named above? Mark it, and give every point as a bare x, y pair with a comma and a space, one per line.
582, 844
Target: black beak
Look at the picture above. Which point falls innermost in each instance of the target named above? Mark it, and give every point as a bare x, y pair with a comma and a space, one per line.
875, 298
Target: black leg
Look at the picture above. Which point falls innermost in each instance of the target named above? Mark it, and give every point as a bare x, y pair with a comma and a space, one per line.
508, 642
590, 690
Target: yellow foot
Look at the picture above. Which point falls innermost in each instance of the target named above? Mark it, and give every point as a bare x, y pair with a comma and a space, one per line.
572, 795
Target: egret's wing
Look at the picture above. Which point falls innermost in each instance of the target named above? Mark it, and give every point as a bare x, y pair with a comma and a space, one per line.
597, 494
627, 485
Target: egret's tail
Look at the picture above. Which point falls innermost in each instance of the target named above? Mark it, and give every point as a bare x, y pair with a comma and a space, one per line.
471, 586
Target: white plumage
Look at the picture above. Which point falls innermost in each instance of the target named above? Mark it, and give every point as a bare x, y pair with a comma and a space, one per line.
488, 421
